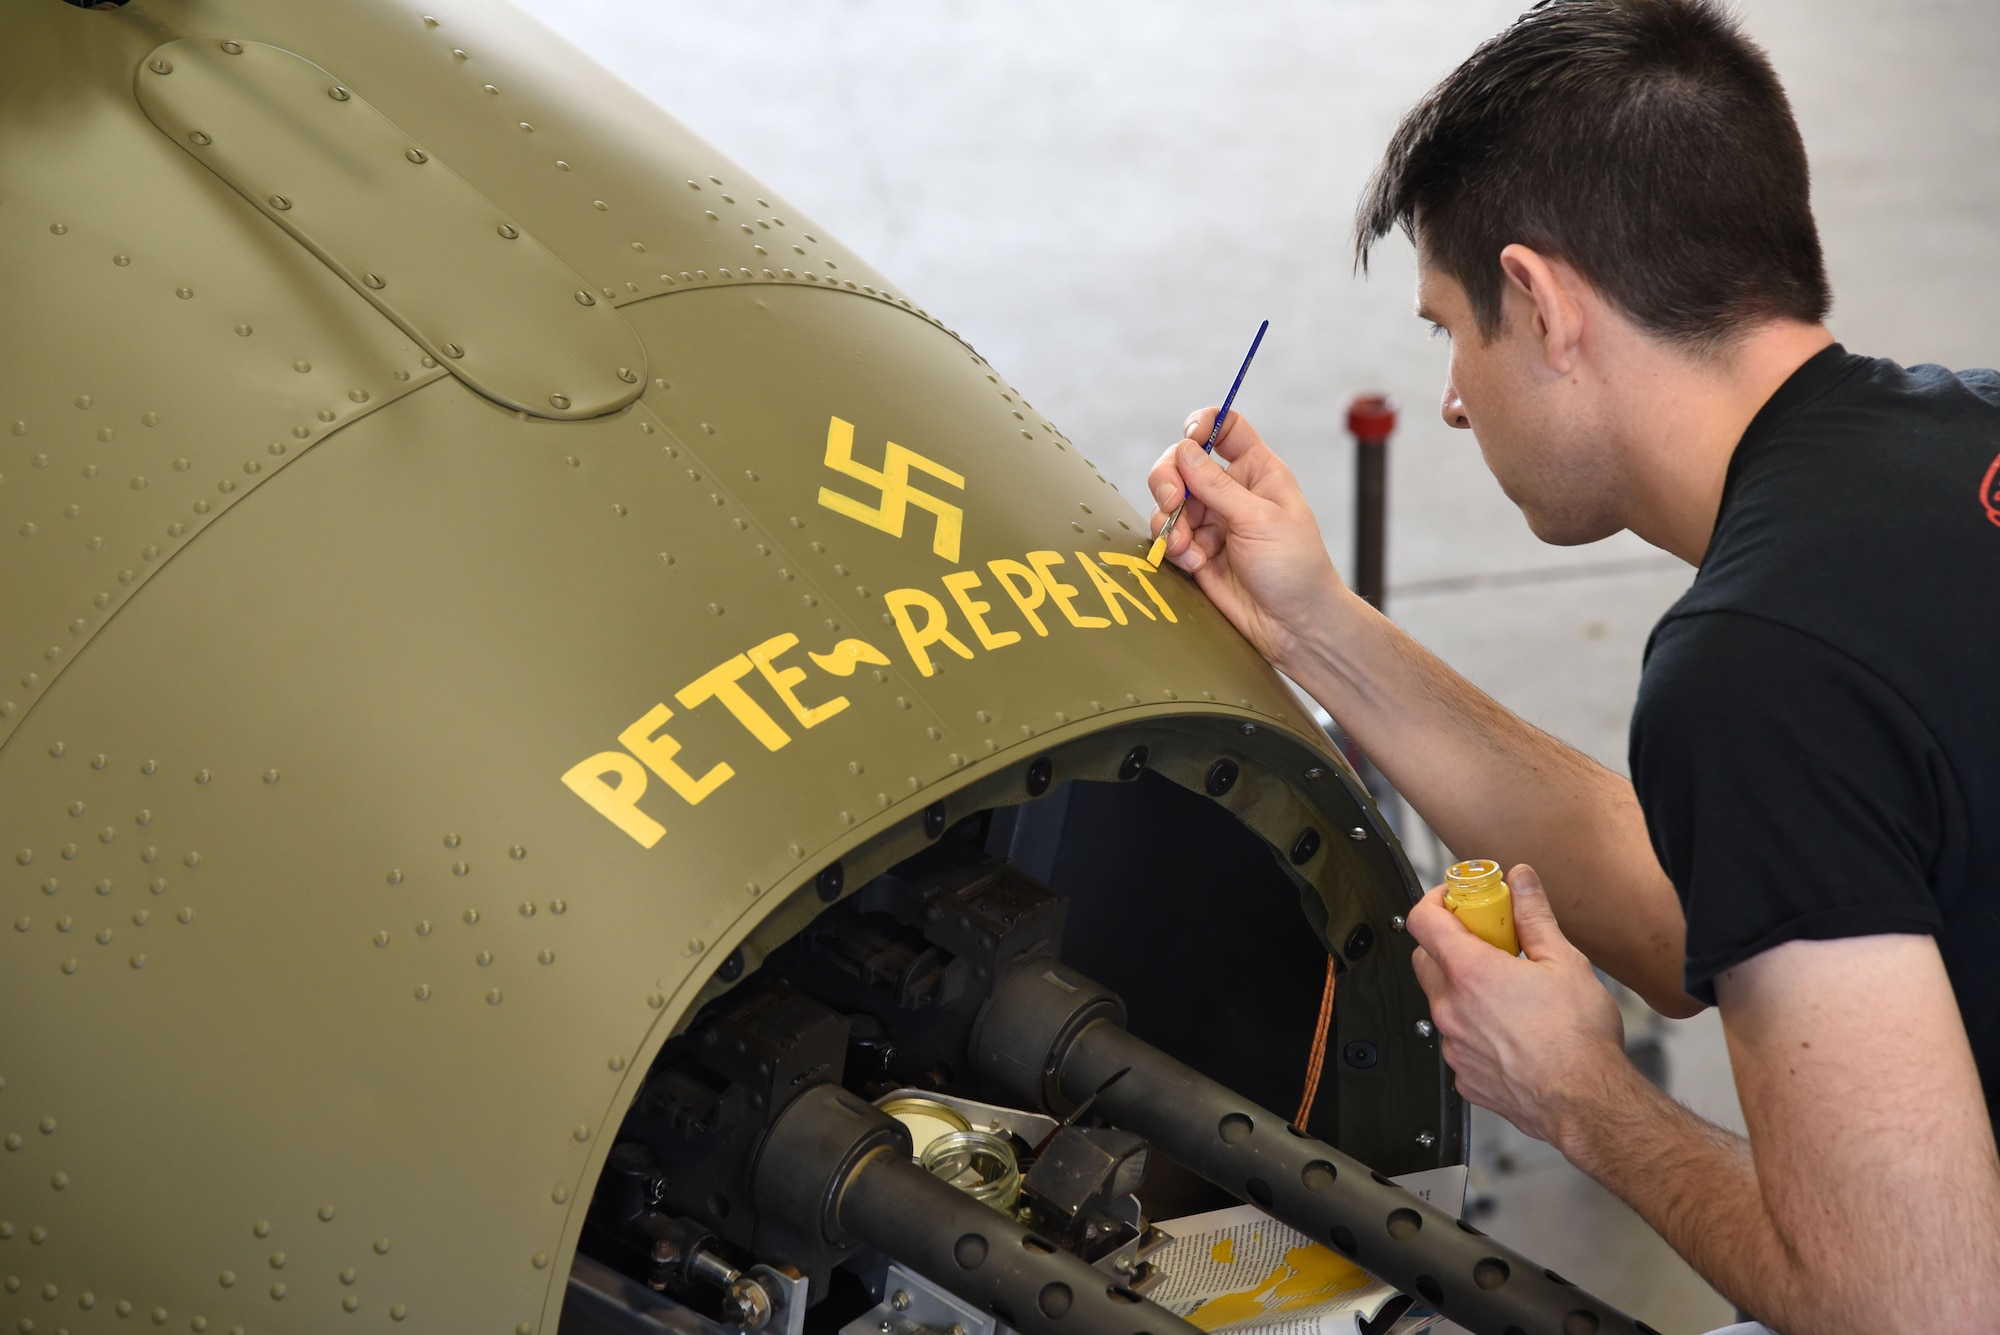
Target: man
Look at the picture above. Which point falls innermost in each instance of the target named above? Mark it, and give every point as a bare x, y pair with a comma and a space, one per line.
1609, 205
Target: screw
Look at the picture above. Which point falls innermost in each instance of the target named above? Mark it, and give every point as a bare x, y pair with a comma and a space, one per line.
1426, 1139
900, 1301
1357, 834
1249, 730
1425, 1029
161, 67
1399, 924
1315, 773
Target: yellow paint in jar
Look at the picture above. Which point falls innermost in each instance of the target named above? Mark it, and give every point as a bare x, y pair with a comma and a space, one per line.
1482, 901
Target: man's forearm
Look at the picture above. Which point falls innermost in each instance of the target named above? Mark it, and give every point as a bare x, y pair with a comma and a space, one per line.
1696, 1185
1492, 785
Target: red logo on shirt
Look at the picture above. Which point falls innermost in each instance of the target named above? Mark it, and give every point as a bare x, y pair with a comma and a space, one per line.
1989, 491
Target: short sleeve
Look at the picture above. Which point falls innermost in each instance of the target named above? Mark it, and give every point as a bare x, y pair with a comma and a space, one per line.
1789, 792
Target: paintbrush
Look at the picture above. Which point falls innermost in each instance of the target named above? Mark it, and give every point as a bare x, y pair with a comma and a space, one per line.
1159, 547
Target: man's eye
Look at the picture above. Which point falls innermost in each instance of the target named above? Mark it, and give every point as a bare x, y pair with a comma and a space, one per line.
1439, 331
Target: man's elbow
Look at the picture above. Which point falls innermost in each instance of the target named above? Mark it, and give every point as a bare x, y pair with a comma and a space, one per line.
1672, 1002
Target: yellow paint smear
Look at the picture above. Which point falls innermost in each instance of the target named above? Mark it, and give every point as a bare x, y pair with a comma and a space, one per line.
1224, 1252
1310, 1275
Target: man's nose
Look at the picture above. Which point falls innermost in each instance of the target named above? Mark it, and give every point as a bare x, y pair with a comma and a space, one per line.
1452, 410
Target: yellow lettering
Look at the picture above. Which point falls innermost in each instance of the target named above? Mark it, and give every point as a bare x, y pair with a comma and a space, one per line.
843, 658
1140, 567
892, 479
784, 679
1061, 593
659, 751
960, 584
1007, 572
618, 805
917, 639
1110, 590
720, 683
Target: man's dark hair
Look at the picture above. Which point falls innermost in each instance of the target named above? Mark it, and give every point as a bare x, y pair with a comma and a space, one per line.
1648, 143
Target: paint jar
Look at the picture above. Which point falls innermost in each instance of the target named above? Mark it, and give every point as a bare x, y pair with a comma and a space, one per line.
979, 1163
1482, 901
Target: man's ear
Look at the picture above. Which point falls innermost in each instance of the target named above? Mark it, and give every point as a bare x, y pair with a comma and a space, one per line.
1549, 291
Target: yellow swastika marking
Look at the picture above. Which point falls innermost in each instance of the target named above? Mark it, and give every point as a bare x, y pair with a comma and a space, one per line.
893, 481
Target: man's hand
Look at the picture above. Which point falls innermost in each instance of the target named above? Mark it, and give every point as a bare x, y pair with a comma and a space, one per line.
1248, 537
1537, 1040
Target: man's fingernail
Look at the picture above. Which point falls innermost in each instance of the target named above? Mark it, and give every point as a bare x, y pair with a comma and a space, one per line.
1164, 496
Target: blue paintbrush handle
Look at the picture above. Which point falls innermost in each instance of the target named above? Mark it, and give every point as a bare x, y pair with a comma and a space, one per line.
1215, 432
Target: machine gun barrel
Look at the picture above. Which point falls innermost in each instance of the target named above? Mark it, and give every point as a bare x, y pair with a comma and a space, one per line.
839, 1164
1053, 1037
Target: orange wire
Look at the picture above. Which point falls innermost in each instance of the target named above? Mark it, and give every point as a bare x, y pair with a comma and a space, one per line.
1317, 1061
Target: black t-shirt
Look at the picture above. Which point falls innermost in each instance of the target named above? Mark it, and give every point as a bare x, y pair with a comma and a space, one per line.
1817, 738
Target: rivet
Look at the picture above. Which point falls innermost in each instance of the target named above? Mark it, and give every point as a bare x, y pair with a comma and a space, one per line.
527, 127
381, 1246
655, 1000
338, 94
559, 400
581, 1134
280, 203
262, 1228
395, 876
398, 1312
227, 1279
547, 956
509, 231
277, 1293
483, 958
121, 260
493, 997
199, 137
452, 350
541, 1261
472, 917
244, 330
584, 298
459, 869
417, 155
374, 281
423, 991
457, 54
233, 48
600, 205
350, 1303
139, 960
59, 1181
558, 907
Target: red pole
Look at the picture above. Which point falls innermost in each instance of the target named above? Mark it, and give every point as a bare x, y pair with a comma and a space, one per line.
1372, 419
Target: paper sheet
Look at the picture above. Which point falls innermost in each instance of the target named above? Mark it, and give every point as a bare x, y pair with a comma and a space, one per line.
1241, 1271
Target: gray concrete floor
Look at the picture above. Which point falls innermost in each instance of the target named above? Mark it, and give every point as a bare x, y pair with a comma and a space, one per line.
1106, 198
